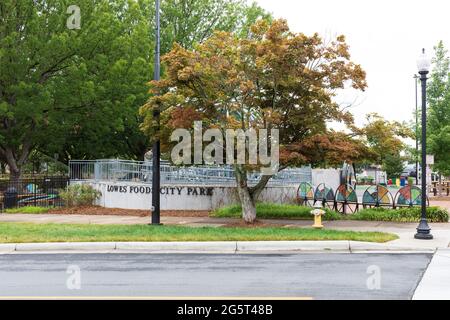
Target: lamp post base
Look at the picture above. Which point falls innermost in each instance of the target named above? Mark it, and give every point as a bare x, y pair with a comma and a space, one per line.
423, 231
423, 236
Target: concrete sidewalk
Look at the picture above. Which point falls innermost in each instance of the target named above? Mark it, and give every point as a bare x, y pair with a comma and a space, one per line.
405, 231
435, 284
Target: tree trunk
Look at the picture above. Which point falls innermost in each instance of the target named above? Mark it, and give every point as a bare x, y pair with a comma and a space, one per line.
14, 176
248, 205
14, 164
245, 196
14, 168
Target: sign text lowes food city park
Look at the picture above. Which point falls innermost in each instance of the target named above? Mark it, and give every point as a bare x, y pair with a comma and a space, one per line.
190, 191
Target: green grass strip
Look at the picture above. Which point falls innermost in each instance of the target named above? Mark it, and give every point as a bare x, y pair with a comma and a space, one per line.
29, 233
27, 210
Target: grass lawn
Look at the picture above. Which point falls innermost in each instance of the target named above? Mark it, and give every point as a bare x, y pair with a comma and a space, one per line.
27, 210
27, 233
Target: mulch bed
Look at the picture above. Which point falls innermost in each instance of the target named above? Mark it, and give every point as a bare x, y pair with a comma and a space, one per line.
100, 211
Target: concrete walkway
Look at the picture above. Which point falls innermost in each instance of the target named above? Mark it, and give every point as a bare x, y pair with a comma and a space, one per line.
405, 231
435, 284
445, 204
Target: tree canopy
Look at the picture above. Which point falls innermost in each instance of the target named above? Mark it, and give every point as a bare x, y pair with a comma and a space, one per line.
439, 110
273, 78
385, 138
76, 92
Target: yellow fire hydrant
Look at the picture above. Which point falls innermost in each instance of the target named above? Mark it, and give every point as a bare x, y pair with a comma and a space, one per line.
318, 212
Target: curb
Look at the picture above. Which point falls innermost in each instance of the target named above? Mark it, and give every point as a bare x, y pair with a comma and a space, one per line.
230, 247
82, 246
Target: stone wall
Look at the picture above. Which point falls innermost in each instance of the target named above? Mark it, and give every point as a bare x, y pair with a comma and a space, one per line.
127, 195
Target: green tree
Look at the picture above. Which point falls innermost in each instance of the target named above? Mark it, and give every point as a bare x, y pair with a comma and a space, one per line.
385, 139
393, 165
58, 82
76, 92
439, 110
187, 22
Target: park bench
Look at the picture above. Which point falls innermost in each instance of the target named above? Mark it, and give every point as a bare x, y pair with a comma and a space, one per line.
440, 188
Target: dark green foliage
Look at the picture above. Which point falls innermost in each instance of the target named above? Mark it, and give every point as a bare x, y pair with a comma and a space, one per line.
439, 110
278, 211
275, 211
76, 92
434, 214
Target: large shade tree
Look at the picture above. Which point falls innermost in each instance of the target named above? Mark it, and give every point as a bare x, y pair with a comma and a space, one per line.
187, 22
76, 92
439, 110
273, 78
59, 84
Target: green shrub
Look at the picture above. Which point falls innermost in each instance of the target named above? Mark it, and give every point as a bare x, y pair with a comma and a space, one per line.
434, 214
27, 210
275, 211
80, 195
280, 211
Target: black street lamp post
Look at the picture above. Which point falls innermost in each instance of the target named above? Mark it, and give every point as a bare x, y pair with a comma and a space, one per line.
156, 165
424, 231
416, 77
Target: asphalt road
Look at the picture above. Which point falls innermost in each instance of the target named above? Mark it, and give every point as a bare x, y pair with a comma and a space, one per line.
318, 276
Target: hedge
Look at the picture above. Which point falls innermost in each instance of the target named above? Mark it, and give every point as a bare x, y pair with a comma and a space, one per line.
279, 211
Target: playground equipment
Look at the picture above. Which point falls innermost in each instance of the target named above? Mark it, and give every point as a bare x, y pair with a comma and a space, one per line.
42, 191
44, 199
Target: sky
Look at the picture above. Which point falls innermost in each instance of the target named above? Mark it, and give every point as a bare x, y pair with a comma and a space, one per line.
385, 36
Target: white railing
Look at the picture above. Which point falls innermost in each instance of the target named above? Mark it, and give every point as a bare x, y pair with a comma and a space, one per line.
138, 171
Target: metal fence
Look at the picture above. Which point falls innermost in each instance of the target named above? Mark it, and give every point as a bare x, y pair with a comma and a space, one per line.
136, 171
42, 192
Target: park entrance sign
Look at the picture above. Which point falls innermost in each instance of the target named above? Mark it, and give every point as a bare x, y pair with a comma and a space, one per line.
129, 195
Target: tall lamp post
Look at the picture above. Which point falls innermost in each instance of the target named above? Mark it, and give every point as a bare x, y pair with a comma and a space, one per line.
423, 230
416, 77
156, 165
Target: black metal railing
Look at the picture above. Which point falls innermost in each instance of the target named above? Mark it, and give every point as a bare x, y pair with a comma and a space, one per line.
38, 192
